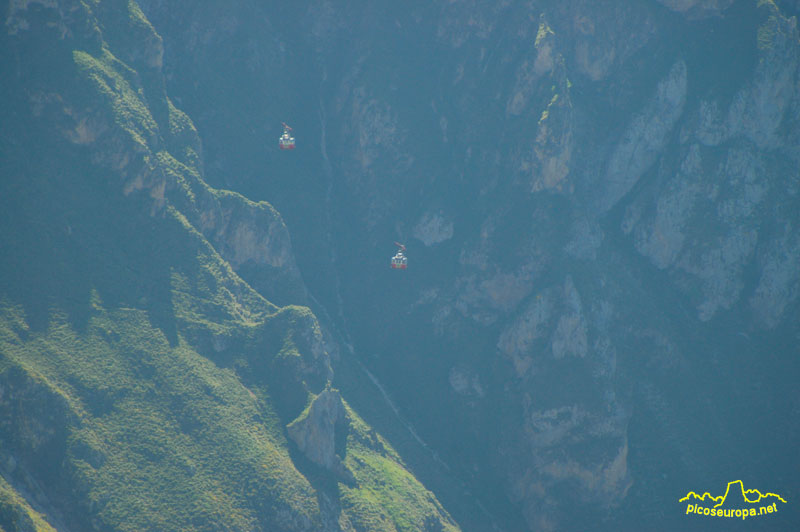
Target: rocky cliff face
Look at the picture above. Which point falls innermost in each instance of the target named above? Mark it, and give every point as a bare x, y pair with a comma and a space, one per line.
734, 169
315, 430
589, 190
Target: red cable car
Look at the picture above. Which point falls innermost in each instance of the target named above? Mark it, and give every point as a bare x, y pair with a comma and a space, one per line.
400, 261
286, 141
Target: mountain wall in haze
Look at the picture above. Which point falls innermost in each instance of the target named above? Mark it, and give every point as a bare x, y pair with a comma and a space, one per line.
599, 200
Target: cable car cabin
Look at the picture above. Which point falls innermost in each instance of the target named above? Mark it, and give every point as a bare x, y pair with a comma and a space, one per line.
285, 142
399, 261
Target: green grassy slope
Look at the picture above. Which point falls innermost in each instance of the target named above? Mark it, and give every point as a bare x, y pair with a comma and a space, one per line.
17, 514
152, 436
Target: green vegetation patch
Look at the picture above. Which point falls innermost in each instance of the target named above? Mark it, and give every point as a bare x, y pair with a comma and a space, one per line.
17, 514
163, 438
543, 31
129, 111
767, 33
386, 496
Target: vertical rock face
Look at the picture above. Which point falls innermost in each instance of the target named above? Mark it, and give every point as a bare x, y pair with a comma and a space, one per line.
714, 260
314, 431
556, 340
644, 139
433, 228
779, 282
730, 177
760, 106
246, 232
602, 36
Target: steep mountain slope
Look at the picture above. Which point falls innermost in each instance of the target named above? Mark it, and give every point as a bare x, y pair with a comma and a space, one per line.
147, 381
600, 201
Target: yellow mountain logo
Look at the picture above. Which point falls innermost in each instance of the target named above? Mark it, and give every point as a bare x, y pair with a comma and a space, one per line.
751, 496
740, 502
